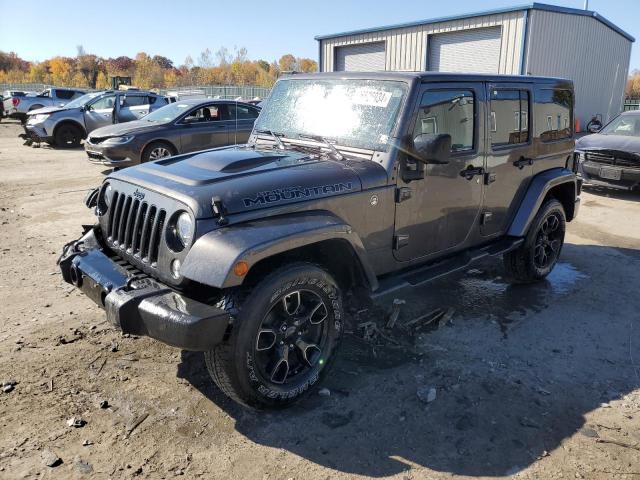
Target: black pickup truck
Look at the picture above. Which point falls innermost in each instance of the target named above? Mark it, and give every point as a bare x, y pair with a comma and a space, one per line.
374, 181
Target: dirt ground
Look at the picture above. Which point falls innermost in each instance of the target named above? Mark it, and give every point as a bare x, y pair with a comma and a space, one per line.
533, 382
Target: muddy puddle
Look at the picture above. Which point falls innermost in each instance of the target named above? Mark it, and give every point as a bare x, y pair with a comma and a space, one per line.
477, 295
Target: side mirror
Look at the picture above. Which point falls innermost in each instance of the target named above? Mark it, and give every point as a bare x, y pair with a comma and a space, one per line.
432, 148
595, 128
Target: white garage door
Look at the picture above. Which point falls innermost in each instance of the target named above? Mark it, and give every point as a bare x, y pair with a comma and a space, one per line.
468, 51
368, 57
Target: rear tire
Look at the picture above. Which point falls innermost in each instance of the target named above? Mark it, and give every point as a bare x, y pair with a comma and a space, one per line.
539, 253
156, 151
284, 336
68, 136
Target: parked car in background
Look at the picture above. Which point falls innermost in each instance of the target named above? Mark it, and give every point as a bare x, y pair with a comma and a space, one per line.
66, 126
180, 127
10, 98
50, 97
611, 157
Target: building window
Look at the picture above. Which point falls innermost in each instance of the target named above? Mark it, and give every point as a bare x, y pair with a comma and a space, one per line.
556, 106
448, 112
509, 117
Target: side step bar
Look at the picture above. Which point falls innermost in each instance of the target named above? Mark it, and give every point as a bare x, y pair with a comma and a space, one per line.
421, 274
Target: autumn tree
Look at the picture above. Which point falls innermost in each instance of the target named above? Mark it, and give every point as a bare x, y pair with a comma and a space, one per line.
287, 63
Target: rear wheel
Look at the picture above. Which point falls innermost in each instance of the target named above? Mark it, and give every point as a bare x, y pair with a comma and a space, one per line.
539, 253
156, 151
68, 136
284, 338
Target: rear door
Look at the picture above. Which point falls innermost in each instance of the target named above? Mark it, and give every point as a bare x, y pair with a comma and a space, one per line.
203, 128
100, 113
240, 118
439, 213
510, 154
133, 106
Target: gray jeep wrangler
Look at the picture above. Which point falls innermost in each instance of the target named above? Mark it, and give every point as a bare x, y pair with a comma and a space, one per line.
349, 181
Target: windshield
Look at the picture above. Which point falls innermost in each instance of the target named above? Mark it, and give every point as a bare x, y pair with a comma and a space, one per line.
168, 113
80, 101
350, 112
628, 125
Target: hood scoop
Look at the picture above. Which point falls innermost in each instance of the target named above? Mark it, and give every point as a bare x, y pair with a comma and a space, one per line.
226, 161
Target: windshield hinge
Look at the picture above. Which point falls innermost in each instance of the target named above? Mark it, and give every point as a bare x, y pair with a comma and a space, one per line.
402, 194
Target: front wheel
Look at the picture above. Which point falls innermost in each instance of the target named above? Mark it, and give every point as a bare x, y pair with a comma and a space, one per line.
68, 136
539, 253
284, 336
156, 151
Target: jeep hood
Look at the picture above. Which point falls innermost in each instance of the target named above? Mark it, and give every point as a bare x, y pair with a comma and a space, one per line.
127, 128
598, 141
246, 179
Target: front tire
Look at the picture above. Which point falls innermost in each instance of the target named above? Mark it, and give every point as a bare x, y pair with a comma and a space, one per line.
156, 151
68, 136
284, 337
539, 253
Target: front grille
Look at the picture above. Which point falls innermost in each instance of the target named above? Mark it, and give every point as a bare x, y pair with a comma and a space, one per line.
135, 227
600, 158
609, 159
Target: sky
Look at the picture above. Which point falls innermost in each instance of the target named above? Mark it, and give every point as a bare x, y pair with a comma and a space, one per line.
267, 29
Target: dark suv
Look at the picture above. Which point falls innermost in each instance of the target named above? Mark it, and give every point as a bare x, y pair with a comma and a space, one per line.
349, 181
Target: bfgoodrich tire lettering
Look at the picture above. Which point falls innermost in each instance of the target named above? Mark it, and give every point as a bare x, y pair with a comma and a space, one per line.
246, 366
539, 253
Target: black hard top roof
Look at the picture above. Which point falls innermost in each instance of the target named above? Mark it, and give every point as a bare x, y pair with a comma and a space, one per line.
426, 77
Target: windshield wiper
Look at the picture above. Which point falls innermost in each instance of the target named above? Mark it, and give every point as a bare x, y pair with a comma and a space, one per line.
318, 138
275, 136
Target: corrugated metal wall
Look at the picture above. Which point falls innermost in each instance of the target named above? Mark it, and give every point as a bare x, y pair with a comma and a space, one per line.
406, 48
584, 50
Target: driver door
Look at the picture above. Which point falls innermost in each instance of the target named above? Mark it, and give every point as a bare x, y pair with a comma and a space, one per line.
99, 113
204, 128
438, 205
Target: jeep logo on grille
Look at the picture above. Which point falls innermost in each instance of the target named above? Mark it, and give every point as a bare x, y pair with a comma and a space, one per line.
138, 194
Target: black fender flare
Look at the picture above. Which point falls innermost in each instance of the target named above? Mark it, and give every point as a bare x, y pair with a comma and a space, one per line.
212, 257
540, 186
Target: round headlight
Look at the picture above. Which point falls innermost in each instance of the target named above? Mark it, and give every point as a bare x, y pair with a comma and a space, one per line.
184, 228
108, 195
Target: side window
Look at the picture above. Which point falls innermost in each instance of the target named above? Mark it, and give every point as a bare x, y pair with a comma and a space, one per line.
104, 103
509, 117
210, 113
133, 100
242, 111
450, 112
554, 114
77, 94
64, 94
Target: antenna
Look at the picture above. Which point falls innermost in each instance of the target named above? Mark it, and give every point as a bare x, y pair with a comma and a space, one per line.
586, 4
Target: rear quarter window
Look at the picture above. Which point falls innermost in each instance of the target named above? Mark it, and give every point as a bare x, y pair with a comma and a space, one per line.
553, 114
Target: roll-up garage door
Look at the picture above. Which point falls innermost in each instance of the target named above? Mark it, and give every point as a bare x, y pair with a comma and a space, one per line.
468, 51
368, 57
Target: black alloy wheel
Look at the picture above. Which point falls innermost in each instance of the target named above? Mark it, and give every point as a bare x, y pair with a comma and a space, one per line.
292, 337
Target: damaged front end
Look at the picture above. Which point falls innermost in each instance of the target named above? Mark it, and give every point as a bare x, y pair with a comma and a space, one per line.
136, 303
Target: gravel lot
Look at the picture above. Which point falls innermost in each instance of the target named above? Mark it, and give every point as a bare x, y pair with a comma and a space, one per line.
532, 382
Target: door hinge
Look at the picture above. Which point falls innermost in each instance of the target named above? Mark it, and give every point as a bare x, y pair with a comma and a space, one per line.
402, 194
485, 218
400, 241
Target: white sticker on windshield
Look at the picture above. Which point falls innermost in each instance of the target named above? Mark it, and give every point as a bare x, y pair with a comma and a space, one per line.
371, 97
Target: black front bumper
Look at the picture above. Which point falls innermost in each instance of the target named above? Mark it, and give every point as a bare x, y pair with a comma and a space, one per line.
141, 306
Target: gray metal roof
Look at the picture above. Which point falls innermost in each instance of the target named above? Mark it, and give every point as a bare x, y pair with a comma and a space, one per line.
529, 6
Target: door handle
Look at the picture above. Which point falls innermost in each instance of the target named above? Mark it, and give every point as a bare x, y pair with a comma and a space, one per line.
523, 162
471, 172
